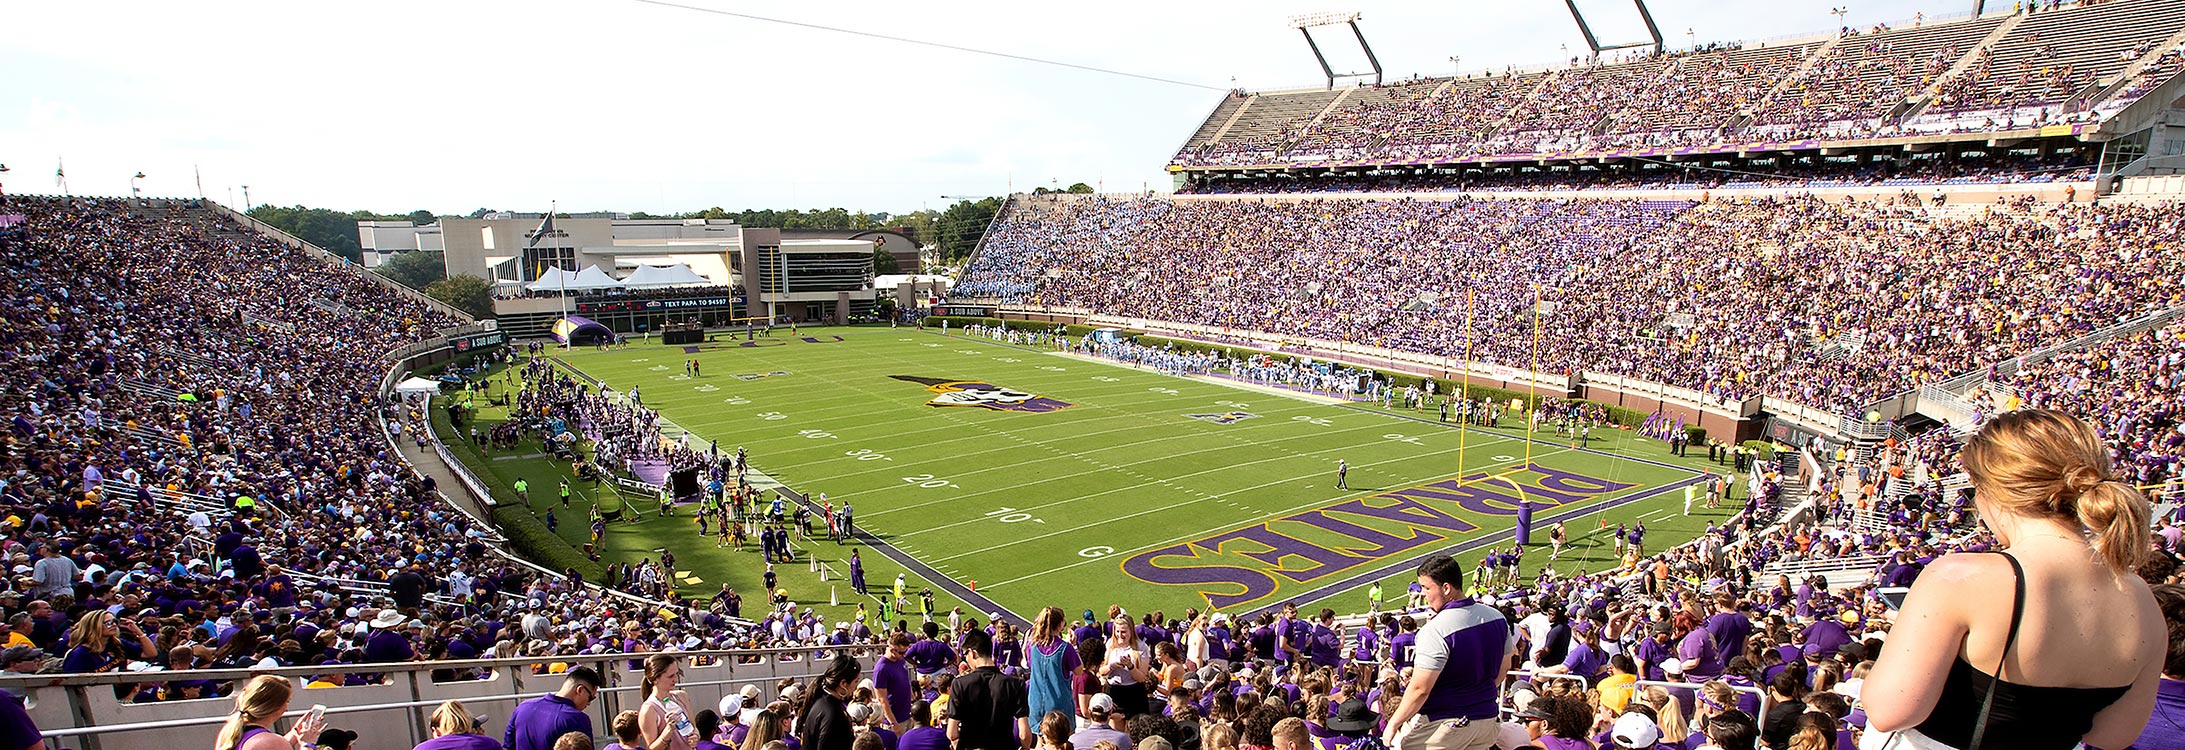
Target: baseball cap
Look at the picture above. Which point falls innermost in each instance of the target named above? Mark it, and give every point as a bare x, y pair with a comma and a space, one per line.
1634, 731
1103, 704
1533, 712
732, 704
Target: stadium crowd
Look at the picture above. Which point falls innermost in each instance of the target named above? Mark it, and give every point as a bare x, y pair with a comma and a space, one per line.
1888, 293
1713, 97
168, 364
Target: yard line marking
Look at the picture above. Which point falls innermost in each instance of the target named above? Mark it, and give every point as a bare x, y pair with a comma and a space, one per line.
1194, 535
1251, 443
1303, 506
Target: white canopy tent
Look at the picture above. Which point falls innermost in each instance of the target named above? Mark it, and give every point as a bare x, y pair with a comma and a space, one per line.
559, 280
554, 280
592, 278
416, 385
649, 277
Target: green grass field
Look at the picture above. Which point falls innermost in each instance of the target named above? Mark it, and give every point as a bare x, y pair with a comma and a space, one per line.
1122, 496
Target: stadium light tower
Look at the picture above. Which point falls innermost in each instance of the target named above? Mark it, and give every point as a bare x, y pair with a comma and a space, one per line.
1305, 25
1654, 33
133, 191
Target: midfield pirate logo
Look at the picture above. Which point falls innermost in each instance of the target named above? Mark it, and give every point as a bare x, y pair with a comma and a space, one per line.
974, 393
1227, 417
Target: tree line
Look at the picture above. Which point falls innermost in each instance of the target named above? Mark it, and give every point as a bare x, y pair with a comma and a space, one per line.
953, 231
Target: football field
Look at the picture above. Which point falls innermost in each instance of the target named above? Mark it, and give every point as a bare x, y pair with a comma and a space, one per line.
1016, 478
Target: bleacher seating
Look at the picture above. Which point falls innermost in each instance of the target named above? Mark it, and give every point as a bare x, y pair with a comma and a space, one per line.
2060, 66
2052, 58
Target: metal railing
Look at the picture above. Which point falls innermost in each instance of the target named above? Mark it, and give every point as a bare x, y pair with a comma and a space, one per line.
83, 710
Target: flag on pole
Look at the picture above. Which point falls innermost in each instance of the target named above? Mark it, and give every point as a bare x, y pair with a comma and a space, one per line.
60, 174
546, 229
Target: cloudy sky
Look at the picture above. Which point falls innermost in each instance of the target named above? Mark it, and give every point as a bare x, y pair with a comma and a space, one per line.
633, 106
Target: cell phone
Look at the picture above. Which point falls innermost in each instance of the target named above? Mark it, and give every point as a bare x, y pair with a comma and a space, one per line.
1892, 596
318, 714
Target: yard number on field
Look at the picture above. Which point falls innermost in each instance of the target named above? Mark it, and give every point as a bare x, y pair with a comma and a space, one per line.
929, 481
1097, 551
867, 454
1106, 379
772, 415
1169, 391
1402, 438
1012, 515
1007, 359
817, 434
736, 401
1315, 421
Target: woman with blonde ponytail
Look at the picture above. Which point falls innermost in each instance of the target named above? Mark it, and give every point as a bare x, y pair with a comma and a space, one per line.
2052, 642
261, 702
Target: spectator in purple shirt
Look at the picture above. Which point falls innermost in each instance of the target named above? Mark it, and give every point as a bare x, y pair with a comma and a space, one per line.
2166, 728
931, 654
1823, 637
891, 683
1729, 626
1701, 657
453, 728
1326, 643
536, 723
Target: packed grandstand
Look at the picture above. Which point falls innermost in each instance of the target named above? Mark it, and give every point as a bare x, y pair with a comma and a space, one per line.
206, 469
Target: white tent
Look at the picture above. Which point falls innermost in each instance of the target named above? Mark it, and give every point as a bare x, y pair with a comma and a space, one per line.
558, 280
592, 278
647, 277
415, 385
554, 280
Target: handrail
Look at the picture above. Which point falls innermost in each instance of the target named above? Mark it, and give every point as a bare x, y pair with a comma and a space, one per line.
126, 678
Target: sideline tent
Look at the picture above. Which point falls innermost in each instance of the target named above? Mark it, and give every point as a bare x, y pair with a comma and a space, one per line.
559, 280
648, 277
554, 280
592, 278
578, 329
415, 385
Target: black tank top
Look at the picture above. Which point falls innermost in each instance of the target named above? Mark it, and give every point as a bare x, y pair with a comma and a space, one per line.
2022, 717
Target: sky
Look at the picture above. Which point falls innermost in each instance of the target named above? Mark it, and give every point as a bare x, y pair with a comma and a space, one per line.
627, 105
